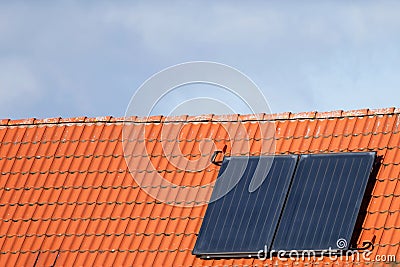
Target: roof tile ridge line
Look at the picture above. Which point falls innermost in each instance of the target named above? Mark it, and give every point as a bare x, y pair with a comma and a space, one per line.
59, 121
272, 117
341, 114
289, 115
205, 117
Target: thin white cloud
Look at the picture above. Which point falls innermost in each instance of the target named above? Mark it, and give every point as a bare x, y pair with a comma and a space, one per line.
223, 22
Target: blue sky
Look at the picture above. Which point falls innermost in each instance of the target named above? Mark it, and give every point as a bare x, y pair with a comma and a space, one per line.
87, 58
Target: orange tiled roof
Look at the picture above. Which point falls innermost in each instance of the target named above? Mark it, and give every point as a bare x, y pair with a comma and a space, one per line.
67, 197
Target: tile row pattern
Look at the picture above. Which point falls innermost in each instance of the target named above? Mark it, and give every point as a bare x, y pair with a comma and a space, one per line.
68, 193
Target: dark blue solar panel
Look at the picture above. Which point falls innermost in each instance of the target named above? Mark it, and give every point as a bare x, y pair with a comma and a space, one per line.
324, 201
241, 222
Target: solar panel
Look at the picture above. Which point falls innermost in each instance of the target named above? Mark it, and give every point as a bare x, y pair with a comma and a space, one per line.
324, 201
241, 222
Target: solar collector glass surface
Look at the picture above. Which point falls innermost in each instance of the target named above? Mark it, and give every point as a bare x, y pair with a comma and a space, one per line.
324, 201
242, 221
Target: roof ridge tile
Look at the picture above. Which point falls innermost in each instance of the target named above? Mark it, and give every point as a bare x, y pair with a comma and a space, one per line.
329, 114
123, 119
176, 118
158, 118
355, 112
22, 121
278, 116
4, 121
206, 117
48, 120
303, 115
99, 119
381, 111
73, 120
252, 117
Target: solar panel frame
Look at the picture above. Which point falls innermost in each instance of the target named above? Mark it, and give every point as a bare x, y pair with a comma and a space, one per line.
249, 220
305, 222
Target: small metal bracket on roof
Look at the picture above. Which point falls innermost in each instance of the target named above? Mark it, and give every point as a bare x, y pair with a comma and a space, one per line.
215, 154
367, 245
